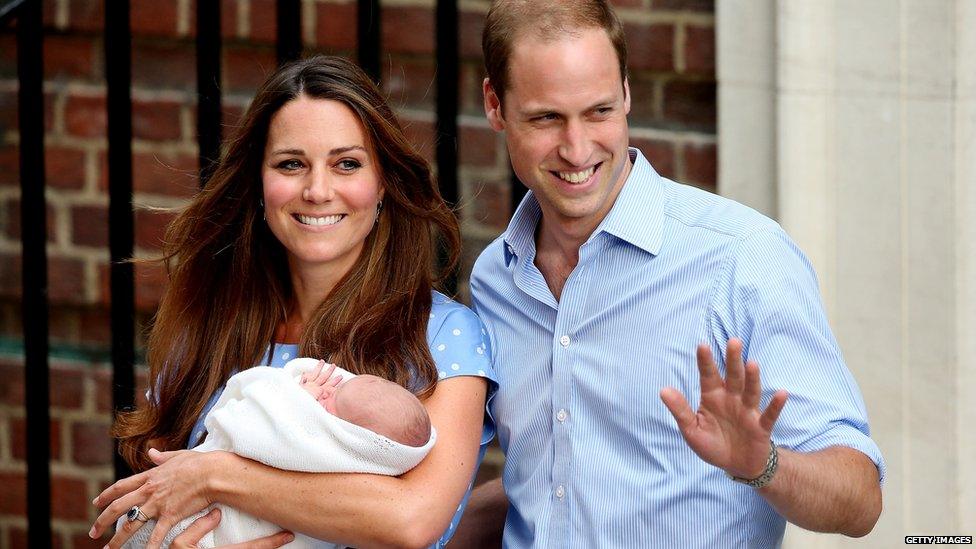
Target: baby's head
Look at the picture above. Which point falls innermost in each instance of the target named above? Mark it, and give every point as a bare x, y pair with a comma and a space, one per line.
383, 407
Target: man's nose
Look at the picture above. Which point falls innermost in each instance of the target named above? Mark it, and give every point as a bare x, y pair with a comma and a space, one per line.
575, 147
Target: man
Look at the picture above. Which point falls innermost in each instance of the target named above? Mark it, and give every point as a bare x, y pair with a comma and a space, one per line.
597, 296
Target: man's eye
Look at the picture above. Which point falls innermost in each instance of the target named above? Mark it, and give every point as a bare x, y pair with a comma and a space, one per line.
289, 165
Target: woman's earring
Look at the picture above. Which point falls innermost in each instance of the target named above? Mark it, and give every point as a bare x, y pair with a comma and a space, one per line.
379, 207
264, 214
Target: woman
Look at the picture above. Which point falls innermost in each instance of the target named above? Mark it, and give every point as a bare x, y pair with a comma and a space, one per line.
314, 237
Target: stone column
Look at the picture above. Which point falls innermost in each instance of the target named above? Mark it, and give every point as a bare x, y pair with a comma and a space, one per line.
874, 143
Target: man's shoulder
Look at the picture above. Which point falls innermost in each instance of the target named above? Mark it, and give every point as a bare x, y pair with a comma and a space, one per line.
490, 257
692, 208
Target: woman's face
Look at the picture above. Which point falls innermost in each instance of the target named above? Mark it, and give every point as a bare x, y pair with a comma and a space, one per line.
321, 185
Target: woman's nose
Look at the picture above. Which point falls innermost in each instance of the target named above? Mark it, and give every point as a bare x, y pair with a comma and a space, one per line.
319, 188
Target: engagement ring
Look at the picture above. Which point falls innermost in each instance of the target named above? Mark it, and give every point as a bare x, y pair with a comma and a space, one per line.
136, 514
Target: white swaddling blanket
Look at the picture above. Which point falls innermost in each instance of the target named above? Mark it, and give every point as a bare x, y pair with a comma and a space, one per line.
263, 414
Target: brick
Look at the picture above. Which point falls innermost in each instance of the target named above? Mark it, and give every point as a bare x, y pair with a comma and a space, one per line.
335, 27
660, 153
489, 204
700, 50
8, 117
66, 280
164, 65
264, 22
410, 82
420, 133
684, 5
8, 55
156, 120
63, 324
64, 167
89, 226
650, 47
691, 104
70, 499
86, 15
11, 383
69, 57
153, 18
246, 68
477, 146
471, 101
701, 165
18, 438
94, 326
164, 173
419, 23
12, 220
151, 228
67, 389
9, 165
10, 274
91, 443
150, 286
85, 116
14, 500
644, 99
472, 24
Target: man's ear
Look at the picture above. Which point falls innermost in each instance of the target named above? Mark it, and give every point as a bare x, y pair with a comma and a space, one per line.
626, 96
493, 107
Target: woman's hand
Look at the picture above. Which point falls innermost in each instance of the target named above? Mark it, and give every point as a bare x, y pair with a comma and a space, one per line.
173, 490
191, 537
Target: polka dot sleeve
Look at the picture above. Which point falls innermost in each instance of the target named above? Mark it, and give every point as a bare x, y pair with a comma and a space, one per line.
460, 346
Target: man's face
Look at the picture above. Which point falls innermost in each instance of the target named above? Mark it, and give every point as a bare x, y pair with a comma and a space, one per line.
565, 123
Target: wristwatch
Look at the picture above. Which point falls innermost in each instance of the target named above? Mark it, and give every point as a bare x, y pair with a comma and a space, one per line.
767, 475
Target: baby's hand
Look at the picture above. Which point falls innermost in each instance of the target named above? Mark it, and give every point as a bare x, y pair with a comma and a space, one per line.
321, 382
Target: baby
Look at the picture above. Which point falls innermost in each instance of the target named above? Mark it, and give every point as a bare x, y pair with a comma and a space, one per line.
351, 424
370, 402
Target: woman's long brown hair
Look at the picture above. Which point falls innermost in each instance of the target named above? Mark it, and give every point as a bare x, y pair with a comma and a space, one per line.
229, 286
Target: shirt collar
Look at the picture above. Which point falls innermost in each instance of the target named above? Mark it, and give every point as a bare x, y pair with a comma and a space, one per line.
637, 215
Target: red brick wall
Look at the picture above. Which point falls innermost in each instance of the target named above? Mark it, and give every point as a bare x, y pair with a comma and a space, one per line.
672, 48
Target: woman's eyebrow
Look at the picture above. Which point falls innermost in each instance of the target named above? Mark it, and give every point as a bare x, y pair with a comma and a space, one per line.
335, 151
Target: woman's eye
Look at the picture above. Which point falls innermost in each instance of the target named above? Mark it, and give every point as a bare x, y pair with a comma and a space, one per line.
348, 165
289, 165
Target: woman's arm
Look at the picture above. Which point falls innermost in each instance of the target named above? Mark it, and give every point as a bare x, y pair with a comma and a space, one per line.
356, 509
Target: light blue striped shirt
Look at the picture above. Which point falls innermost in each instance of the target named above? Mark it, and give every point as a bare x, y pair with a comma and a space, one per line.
593, 457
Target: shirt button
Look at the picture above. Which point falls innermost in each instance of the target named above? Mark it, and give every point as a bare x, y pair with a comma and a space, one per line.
561, 415
560, 491
564, 341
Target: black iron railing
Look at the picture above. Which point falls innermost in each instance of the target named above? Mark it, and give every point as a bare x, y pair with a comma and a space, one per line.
118, 68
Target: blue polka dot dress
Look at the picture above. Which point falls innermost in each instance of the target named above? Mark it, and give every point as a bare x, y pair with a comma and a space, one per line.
459, 344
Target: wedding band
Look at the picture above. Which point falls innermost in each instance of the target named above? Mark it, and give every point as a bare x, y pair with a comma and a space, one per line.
135, 513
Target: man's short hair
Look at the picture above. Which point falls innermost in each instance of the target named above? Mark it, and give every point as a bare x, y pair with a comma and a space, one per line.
549, 20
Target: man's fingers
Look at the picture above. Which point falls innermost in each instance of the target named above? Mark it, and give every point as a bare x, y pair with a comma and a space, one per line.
771, 414
752, 391
707, 371
679, 408
734, 374
199, 528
